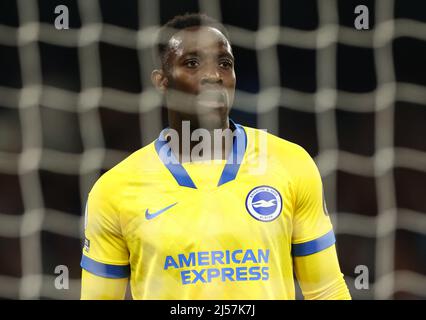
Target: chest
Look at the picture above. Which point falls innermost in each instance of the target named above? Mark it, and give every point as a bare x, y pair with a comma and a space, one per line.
246, 212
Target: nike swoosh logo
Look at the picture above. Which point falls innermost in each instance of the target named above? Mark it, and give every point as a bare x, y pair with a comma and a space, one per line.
150, 216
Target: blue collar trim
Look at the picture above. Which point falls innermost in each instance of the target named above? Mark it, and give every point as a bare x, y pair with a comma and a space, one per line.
229, 173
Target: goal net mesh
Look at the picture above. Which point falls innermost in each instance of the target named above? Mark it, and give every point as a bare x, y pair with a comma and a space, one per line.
75, 102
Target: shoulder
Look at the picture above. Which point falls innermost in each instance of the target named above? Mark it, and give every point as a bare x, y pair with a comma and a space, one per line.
132, 166
284, 155
276, 146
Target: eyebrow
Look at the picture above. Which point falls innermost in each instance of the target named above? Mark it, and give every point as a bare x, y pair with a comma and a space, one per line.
197, 53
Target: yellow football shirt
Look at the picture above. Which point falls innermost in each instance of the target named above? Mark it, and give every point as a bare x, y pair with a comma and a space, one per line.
208, 230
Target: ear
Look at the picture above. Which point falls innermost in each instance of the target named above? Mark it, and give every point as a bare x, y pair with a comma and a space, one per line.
159, 80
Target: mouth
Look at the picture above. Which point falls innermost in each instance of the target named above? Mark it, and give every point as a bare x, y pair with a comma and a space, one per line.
212, 99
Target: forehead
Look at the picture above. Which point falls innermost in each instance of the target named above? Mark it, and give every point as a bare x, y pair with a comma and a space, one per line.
198, 39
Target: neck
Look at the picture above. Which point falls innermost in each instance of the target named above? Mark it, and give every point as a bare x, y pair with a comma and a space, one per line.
196, 137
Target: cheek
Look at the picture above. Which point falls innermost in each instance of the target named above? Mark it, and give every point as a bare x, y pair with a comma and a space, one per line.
230, 83
230, 80
182, 80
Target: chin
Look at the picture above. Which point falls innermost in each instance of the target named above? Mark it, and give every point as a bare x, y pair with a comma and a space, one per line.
214, 119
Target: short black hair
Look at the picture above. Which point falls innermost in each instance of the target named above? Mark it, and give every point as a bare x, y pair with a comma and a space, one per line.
178, 23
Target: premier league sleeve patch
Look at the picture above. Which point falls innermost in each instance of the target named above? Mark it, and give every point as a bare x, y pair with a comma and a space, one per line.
264, 203
86, 244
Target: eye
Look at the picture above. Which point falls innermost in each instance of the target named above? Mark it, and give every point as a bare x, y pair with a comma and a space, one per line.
226, 64
191, 63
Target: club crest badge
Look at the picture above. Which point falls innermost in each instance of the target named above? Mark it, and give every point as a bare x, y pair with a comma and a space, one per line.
264, 203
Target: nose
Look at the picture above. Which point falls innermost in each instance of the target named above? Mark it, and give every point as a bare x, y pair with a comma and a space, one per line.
211, 75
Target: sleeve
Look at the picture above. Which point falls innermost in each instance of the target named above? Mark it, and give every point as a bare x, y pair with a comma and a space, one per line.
94, 287
105, 251
312, 229
319, 276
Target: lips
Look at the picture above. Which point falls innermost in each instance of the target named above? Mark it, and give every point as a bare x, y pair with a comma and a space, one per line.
211, 99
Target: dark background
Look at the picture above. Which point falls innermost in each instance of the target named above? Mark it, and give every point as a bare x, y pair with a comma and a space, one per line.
356, 71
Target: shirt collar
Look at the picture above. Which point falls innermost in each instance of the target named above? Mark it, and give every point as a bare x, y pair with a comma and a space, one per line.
230, 170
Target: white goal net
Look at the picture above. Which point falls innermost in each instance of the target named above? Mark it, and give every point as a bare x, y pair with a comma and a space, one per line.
75, 102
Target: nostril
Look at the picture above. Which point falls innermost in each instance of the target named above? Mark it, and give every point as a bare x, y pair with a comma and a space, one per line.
213, 80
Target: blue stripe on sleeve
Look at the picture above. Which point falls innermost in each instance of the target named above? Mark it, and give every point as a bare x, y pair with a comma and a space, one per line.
104, 270
313, 246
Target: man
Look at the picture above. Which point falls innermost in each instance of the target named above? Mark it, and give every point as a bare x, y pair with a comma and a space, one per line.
188, 223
